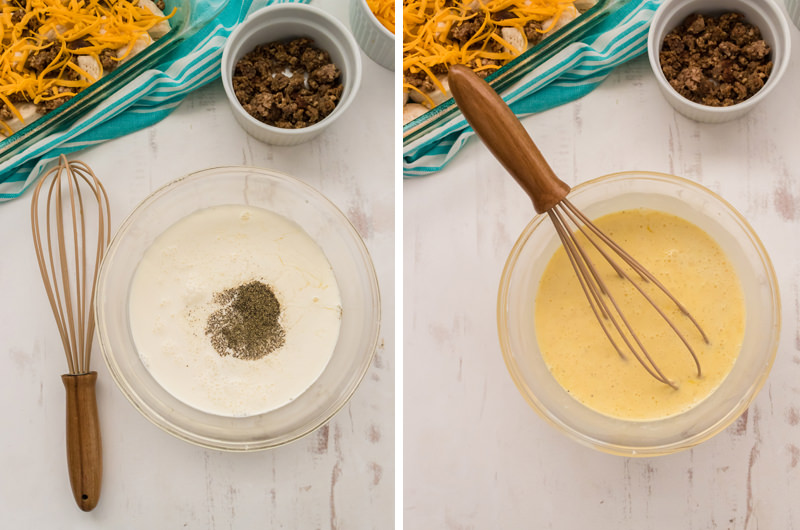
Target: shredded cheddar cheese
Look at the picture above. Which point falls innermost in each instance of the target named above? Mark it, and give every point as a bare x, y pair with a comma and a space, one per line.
383, 11
42, 41
440, 33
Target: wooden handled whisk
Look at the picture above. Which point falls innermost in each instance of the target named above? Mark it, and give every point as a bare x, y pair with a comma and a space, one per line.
70, 223
501, 131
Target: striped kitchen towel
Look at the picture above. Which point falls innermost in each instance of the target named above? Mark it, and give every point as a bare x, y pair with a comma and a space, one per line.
151, 97
568, 75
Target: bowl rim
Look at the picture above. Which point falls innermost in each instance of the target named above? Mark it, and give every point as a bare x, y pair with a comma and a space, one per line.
784, 48
655, 450
154, 416
375, 22
348, 44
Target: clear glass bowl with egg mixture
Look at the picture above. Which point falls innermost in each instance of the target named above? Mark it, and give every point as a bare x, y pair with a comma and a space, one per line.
682, 198
332, 232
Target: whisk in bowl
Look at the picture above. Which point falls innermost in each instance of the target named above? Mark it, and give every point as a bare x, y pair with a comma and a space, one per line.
70, 225
501, 131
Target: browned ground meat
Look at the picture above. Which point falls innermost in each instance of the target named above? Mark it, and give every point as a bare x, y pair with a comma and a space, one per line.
484, 62
419, 80
461, 33
33, 25
46, 106
39, 60
312, 59
327, 73
78, 44
716, 61
532, 34
5, 112
107, 59
307, 95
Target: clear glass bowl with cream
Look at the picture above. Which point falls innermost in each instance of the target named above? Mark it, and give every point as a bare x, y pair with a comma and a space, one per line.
237, 308
588, 418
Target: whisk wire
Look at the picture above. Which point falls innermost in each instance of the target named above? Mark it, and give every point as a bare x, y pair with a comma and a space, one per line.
103, 236
84, 340
69, 304
590, 290
53, 294
70, 300
498, 127
585, 264
635, 265
587, 271
644, 274
650, 364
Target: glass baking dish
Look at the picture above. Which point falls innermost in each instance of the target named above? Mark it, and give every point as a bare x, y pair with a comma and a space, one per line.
511, 72
190, 16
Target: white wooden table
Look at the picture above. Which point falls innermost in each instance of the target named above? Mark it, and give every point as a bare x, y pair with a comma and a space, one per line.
475, 455
341, 476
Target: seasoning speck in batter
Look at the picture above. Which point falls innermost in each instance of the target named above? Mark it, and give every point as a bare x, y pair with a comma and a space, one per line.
247, 326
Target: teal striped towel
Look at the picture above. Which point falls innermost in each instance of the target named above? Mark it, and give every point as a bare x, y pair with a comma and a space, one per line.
151, 97
570, 74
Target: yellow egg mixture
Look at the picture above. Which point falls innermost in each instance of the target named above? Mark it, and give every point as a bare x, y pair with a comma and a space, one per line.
693, 267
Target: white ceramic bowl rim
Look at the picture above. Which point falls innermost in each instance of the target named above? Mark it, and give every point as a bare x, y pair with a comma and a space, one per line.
264, 15
375, 21
782, 49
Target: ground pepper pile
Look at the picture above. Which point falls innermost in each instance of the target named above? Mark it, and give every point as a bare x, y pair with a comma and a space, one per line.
716, 61
247, 326
304, 97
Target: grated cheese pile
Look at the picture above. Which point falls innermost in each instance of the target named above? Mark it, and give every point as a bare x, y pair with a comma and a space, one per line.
429, 46
383, 11
44, 43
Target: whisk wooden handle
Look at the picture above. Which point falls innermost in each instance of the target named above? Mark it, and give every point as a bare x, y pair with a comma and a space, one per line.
84, 449
506, 138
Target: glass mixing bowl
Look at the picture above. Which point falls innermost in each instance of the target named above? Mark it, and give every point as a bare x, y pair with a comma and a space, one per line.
325, 224
698, 205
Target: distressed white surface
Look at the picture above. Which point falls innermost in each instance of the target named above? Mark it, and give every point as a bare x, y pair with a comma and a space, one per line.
476, 456
338, 477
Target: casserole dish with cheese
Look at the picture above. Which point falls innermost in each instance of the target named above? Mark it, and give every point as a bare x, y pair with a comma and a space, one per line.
59, 62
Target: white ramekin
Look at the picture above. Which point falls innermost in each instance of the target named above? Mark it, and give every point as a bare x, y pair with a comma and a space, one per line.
764, 14
280, 22
793, 8
376, 41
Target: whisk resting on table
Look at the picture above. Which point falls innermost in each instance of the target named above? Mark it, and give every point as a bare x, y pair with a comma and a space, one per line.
70, 224
506, 138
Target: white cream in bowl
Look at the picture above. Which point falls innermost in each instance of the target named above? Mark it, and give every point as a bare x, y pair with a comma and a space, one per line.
218, 249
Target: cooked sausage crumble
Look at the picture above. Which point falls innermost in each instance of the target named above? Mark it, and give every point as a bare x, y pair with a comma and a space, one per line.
716, 61
288, 85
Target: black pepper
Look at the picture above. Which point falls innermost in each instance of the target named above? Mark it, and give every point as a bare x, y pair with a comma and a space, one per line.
247, 326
